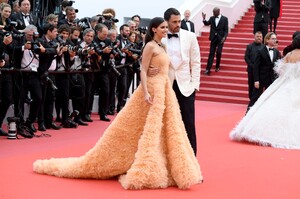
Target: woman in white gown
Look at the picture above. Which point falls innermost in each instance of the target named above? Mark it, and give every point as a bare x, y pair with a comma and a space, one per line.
274, 120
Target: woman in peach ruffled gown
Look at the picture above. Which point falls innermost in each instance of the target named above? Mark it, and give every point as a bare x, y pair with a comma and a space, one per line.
146, 145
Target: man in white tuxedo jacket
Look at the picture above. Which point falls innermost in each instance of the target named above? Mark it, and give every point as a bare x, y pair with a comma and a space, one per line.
183, 50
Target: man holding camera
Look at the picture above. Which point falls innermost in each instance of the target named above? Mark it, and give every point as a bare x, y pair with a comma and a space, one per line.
36, 56
102, 77
70, 17
5, 80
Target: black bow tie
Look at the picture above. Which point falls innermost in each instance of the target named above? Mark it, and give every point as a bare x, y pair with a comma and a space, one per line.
24, 15
271, 49
187, 21
172, 35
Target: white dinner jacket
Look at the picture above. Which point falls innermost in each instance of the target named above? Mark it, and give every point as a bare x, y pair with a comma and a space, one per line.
187, 74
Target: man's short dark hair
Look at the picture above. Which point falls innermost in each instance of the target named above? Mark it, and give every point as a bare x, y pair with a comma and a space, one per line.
49, 27
99, 27
122, 27
138, 16
169, 12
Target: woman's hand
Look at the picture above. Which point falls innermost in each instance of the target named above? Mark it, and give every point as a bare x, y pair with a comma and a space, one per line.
148, 98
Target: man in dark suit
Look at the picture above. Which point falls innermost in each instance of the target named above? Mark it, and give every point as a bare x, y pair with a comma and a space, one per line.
261, 19
186, 24
24, 17
218, 33
250, 54
263, 67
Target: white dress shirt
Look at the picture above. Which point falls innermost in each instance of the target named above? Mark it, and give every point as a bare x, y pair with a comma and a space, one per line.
174, 51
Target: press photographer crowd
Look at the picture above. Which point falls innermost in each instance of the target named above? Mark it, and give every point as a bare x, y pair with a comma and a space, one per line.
47, 63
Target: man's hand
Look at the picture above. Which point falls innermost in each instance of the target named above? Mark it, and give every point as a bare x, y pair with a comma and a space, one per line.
223, 40
256, 84
43, 50
7, 40
152, 71
203, 15
27, 45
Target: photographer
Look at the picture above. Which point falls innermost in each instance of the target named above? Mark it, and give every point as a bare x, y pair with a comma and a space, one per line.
81, 84
102, 77
121, 60
70, 18
134, 48
108, 18
36, 56
64, 5
5, 80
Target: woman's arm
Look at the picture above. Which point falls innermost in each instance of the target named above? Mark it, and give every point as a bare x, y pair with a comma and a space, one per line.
146, 58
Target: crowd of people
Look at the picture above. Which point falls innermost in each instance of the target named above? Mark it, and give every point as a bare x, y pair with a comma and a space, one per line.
62, 59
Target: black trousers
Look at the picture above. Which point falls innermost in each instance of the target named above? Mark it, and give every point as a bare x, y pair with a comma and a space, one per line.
187, 108
122, 88
49, 99
104, 89
89, 95
216, 47
250, 83
256, 93
77, 92
261, 26
33, 84
62, 96
5, 94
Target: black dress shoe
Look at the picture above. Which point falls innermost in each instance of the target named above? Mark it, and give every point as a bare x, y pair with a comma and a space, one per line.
41, 127
217, 69
58, 119
207, 72
22, 131
30, 126
87, 118
53, 126
3, 133
104, 118
110, 112
80, 122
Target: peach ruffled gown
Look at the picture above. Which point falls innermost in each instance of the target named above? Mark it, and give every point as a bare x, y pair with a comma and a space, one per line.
146, 145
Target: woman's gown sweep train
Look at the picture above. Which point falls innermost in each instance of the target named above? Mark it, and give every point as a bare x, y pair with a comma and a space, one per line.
146, 145
275, 118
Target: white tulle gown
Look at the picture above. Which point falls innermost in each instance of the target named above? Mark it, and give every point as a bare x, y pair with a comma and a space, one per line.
274, 120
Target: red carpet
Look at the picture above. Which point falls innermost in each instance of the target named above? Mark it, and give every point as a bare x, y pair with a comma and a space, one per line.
231, 170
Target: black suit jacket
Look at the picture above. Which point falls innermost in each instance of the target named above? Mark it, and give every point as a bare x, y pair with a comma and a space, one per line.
263, 66
46, 58
18, 17
262, 11
220, 31
250, 54
184, 26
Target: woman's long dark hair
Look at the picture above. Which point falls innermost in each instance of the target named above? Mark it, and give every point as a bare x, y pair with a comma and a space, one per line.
154, 23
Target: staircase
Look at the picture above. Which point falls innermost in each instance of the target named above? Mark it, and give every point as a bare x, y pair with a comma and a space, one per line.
230, 83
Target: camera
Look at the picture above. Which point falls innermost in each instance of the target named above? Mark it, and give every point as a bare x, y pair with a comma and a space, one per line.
132, 47
11, 31
107, 20
84, 23
115, 49
67, 3
143, 30
112, 63
12, 127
